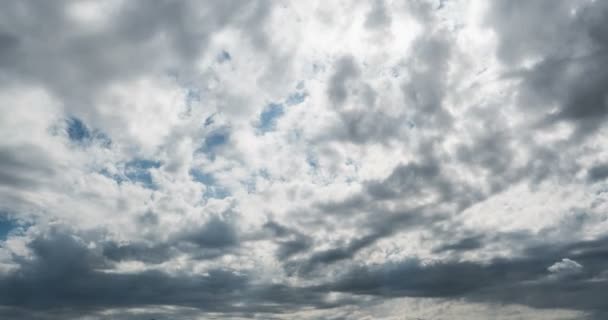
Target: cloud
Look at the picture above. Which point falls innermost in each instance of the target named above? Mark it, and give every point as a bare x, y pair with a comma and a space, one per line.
19, 166
498, 280
274, 160
346, 70
597, 173
61, 269
566, 266
563, 75
377, 16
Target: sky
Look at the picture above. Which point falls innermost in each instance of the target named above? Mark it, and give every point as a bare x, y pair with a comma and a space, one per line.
411, 159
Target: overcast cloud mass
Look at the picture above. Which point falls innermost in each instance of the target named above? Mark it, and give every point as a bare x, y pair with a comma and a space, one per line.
303, 159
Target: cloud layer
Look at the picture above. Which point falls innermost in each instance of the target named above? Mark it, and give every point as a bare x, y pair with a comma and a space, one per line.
318, 160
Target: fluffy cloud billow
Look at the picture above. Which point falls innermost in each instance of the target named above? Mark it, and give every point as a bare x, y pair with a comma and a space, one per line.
387, 159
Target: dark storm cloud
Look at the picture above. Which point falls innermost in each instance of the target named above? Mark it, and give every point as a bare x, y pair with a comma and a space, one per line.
289, 241
372, 218
368, 214
571, 42
63, 274
288, 248
67, 275
597, 173
465, 244
8, 46
215, 233
523, 280
330, 256
489, 153
57, 281
157, 253
214, 238
376, 223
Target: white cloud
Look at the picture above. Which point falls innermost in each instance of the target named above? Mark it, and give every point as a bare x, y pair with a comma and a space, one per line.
565, 267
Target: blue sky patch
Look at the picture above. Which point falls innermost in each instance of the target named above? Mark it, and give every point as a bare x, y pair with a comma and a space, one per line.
77, 130
296, 98
202, 177
215, 139
216, 192
312, 161
80, 134
213, 190
224, 56
192, 96
6, 226
269, 116
138, 171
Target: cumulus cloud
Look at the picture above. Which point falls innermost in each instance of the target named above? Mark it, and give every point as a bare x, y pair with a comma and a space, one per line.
275, 160
566, 266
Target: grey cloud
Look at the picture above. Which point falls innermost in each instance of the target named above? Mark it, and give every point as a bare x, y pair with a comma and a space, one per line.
288, 248
289, 241
412, 278
24, 166
523, 280
214, 238
361, 126
149, 218
43, 45
465, 244
425, 88
597, 173
215, 233
572, 52
377, 223
349, 206
346, 71
8, 48
276, 229
576, 85
405, 180
151, 254
326, 257
67, 276
366, 211
424, 91
523, 34
490, 151
378, 16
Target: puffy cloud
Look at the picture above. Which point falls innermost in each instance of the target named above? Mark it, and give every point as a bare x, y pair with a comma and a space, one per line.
566, 266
